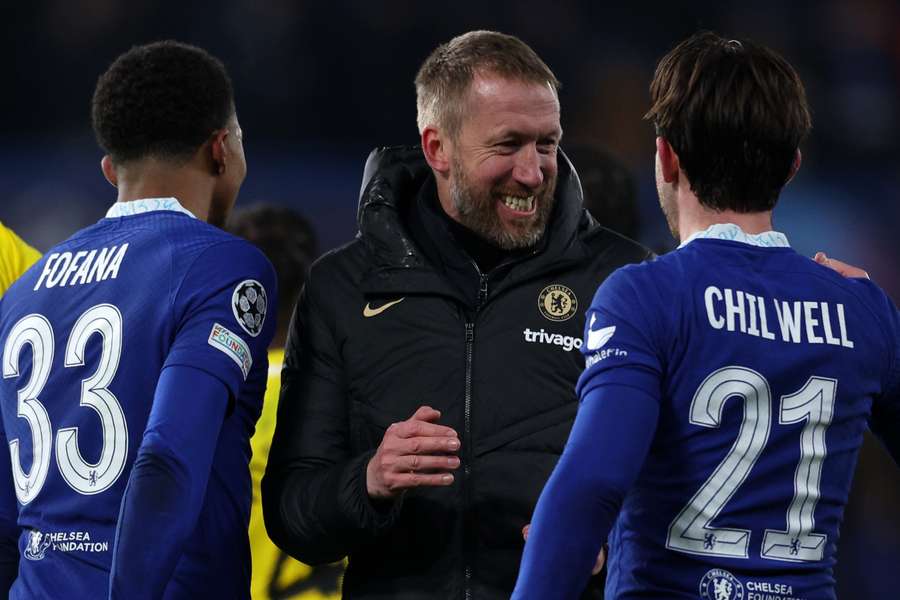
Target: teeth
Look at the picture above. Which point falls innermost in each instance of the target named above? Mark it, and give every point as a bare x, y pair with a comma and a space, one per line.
519, 204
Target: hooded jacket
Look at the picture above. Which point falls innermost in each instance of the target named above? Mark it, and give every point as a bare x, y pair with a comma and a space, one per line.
393, 321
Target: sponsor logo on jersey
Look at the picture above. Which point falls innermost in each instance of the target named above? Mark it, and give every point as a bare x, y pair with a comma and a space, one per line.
539, 336
221, 338
596, 339
370, 311
248, 302
37, 545
719, 584
557, 302
62, 541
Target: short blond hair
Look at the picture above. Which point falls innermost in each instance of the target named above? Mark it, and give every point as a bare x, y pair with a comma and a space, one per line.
444, 78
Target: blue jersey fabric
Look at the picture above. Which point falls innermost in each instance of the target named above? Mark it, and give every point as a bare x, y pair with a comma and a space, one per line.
86, 334
765, 369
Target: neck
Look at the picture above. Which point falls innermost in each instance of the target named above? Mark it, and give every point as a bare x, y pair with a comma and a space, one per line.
693, 217
155, 179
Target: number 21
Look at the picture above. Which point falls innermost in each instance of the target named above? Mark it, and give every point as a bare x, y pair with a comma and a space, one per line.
814, 403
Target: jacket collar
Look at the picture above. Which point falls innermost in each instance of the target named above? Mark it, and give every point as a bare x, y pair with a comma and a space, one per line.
393, 178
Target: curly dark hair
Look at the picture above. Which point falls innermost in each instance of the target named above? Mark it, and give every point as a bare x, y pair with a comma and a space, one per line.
735, 113
162, 100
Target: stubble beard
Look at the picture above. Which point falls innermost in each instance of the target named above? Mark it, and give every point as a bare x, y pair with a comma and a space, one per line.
477, 212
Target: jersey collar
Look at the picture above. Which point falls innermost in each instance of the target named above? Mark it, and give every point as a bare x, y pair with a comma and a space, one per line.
733, 233
145, 205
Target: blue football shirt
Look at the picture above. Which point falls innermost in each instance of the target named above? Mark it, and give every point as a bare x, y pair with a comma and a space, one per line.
85, 334
751, 372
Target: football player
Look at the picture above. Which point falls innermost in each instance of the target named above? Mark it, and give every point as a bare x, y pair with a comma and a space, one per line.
727, 384
134, 358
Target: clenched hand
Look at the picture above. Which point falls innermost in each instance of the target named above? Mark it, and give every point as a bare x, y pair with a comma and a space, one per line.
413, 453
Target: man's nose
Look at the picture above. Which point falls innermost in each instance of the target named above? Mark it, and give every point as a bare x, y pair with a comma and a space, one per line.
527, 169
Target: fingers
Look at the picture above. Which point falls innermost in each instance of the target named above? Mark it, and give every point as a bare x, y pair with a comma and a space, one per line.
405, 481
601, 561
413, 453
525, 531
428, 464
411, 429
422, 423
840, 267
426, 413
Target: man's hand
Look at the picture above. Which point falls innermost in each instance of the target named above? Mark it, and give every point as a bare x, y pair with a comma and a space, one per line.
601, 558
841, 267
413, 453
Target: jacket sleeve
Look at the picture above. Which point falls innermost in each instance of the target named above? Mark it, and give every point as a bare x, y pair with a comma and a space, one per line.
315, 503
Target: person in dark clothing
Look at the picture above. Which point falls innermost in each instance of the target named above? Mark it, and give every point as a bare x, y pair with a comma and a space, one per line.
428, 385
610, 190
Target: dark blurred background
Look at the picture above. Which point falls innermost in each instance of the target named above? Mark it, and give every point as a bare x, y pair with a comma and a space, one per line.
319, 84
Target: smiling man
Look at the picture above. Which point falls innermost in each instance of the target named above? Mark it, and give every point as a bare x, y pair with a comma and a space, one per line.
415, 435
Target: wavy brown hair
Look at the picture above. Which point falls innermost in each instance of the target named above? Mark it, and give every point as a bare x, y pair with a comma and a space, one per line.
735, 113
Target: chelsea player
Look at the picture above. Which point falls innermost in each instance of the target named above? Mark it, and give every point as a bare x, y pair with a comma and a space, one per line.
727, 384
134, 358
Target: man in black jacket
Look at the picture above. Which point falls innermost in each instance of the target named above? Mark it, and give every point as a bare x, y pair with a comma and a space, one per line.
428, 386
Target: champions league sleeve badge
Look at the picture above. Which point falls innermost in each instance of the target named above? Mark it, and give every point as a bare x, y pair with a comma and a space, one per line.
249, 303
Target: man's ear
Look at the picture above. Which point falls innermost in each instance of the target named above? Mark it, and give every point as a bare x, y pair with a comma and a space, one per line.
109, 170
668, 160
219, 151
798, 158
434, 147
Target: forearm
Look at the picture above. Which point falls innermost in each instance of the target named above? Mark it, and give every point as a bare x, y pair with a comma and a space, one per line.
606, 450
319, 514
167, 485
315, 503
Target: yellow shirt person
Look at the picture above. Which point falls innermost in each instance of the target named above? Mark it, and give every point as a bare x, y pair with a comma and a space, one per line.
15, 257
276, 575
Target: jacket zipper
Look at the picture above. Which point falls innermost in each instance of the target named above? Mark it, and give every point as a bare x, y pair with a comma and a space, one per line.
467, 469
467, 432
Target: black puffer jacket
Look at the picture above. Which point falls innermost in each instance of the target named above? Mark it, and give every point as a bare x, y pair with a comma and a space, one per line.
498, 358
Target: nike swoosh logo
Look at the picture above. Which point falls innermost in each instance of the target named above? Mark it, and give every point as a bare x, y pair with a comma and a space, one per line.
368, 311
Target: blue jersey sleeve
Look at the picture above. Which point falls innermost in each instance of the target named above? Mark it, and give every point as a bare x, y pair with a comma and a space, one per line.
624, 335
9, 531
166, 487
222, 310
620, 396
225, 310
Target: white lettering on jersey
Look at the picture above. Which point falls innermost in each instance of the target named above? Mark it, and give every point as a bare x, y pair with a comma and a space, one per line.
799, 322
66, 269
231, 344
566, 342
